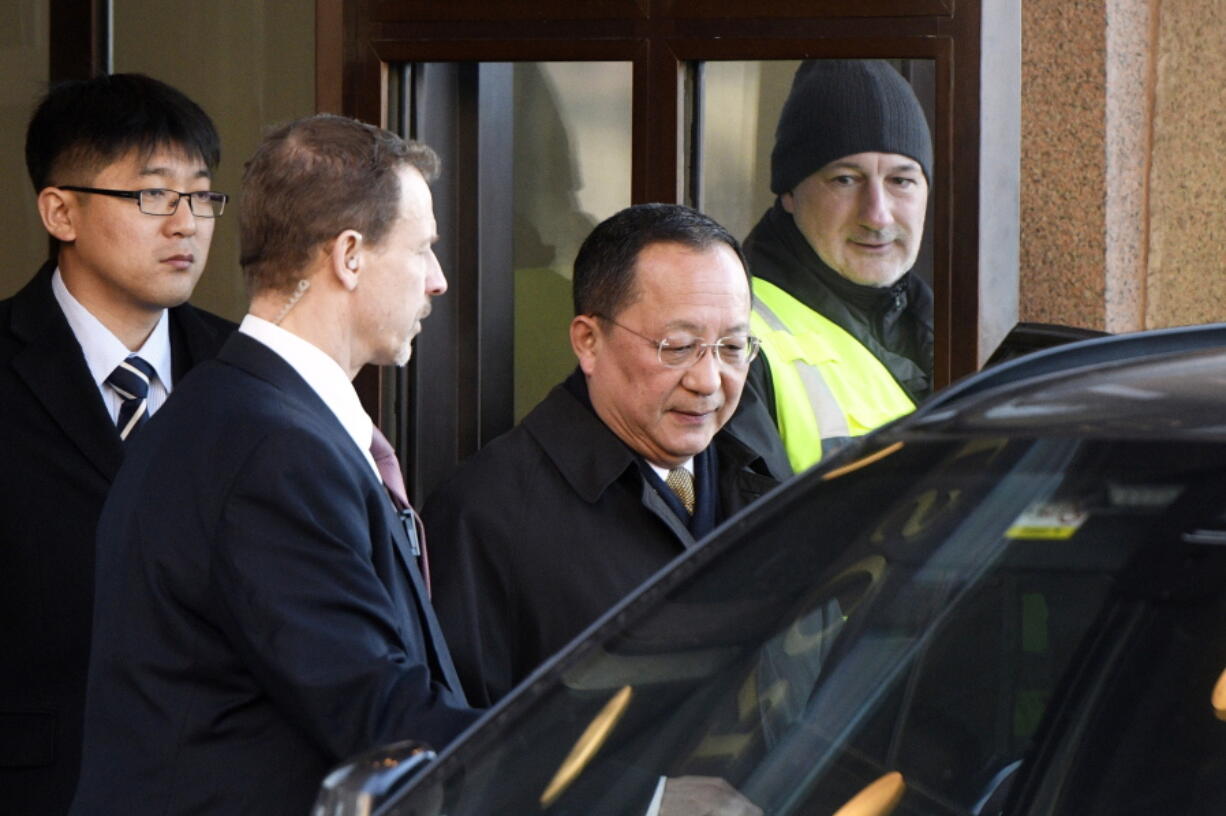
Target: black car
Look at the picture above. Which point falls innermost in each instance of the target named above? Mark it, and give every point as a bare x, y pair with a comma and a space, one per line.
1012, 601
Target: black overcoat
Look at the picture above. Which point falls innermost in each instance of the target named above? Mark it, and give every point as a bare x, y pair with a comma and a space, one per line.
547, 527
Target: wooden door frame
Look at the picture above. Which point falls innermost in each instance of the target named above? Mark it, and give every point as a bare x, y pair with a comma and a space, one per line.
359, 39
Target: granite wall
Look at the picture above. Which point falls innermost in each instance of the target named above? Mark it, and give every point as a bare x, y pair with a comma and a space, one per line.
1123, 130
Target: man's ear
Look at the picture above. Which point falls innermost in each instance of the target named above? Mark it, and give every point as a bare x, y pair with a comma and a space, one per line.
789, 203
345, 258
585, 341
57, 210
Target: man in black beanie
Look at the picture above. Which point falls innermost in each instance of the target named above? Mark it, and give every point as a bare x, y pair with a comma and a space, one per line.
846, 328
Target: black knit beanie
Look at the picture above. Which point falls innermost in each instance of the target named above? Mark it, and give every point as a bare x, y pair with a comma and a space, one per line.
838, 108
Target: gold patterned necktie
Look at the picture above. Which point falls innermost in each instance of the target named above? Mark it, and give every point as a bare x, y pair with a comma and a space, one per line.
681, 482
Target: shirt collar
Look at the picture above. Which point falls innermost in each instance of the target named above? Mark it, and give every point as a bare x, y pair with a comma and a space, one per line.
102, 349
322, 373
688, 464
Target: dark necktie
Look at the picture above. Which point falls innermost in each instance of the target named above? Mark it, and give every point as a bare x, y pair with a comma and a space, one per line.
681, 482
131, 379
393, 479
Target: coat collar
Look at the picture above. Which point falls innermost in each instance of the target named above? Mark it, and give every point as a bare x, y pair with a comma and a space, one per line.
590, 456
250, 355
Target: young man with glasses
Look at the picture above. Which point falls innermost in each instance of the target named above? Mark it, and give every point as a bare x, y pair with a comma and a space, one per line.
551, 524
121, 166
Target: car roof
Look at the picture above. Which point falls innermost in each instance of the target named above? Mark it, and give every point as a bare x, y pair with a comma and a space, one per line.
1168, 383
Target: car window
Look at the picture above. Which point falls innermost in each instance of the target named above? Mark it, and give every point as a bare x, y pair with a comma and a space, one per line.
947, 609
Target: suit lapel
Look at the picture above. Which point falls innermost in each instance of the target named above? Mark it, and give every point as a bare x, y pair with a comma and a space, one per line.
655, 504
53, 368
257, 359
405, 538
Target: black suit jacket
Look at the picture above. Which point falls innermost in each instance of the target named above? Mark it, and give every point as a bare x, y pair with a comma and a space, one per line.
259, 616
59, 452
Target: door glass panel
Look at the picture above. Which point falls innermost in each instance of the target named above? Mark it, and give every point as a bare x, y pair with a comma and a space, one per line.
571, 162
24, 56
740, 105
272, 81
534, 154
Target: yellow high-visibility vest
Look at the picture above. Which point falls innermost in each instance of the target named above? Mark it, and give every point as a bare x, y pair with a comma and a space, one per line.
828, 386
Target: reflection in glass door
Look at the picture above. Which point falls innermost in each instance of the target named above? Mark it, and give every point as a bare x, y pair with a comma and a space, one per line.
571, 170
534, 154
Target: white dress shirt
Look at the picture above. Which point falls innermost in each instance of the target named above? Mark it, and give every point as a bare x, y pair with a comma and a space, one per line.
104, 351
323, 374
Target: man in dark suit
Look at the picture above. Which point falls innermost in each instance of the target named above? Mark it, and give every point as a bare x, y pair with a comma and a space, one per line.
260, 615
104, 156
555, 521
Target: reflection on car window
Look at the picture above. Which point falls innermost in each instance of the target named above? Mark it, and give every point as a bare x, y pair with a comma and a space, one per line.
960, 612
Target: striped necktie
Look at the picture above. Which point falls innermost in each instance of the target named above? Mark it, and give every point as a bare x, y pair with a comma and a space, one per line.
131, 379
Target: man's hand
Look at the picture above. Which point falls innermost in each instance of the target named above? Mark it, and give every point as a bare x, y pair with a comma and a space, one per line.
703, 795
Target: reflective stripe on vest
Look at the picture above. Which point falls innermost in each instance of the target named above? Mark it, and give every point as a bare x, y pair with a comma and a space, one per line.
828, 386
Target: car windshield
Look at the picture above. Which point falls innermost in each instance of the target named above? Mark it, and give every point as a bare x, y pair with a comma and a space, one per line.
993, 625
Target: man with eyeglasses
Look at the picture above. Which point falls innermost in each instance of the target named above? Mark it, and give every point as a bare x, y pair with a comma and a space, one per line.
121, 166
551, 524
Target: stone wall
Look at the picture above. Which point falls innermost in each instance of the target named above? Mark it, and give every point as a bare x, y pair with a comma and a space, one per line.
1123, 128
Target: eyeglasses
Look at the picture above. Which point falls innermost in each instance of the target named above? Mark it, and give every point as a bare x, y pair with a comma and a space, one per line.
682, 350
160, 201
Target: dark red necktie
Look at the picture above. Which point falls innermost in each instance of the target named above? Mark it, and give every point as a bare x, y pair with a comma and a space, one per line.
393, 479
